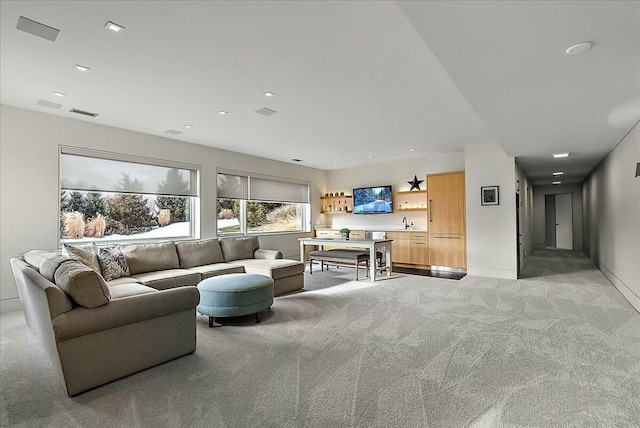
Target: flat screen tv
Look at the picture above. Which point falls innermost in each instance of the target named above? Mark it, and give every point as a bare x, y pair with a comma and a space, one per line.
373, 200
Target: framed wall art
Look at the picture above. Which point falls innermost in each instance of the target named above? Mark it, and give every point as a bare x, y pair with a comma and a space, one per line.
489, 195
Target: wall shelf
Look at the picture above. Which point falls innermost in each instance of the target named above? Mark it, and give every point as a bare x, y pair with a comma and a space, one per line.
407, 201
331, 203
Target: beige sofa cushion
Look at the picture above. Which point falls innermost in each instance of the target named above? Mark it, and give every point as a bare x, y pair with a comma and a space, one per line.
207, 271
49, 263
239, 248
276, 269
123, 280
87, 254
171, 278
34, 257
84, 285
128, 290
143, 258
199, 253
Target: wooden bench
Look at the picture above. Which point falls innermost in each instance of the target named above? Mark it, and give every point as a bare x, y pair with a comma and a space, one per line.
339, 256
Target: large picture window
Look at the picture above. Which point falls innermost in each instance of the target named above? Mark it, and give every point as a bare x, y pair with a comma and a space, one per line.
249, 203
108, 196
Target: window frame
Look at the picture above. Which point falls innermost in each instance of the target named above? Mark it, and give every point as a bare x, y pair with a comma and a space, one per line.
306, 206
194, 211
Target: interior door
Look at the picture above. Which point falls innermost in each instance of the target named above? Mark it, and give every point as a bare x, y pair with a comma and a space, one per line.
564, 221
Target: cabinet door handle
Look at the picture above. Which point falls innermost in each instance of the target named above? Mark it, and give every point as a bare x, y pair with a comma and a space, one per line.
446, 237
430, 210
418, 243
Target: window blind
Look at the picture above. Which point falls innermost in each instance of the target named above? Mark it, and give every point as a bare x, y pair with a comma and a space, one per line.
261, 189
232, 186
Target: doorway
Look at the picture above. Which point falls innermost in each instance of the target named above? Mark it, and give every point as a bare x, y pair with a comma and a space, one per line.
559, 221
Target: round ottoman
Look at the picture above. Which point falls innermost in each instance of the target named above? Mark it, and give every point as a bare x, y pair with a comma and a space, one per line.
234, 295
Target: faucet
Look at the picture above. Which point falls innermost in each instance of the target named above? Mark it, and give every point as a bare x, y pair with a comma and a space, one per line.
405, 222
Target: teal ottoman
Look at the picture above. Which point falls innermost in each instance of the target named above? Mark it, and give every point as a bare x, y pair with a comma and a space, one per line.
234, 295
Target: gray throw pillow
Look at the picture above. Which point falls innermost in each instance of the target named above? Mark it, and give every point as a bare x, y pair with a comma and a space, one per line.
86, 254
84, 285
49, 263
239, 248
113, 263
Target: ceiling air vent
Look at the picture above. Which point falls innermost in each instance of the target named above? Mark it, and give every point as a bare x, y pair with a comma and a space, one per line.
266, 111
37, 29
49, 104
172, 132
82, 112
296, 160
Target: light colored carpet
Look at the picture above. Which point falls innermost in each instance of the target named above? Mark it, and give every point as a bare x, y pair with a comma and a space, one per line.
558, 349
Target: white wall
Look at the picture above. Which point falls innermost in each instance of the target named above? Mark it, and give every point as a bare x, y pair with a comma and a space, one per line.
491, 230
539, 218
395, 173
526, 215
611, 207
29, 196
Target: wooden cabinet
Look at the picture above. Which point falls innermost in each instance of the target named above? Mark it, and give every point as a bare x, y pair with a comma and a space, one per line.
446, 203
447, 220
410, 248
447, 250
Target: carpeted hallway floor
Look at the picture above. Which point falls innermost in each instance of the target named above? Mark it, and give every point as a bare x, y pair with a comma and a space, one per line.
559, 348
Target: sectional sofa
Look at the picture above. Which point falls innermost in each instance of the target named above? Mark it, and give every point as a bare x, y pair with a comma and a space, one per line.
96, 330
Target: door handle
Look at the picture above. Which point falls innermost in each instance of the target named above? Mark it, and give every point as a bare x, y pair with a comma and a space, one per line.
430, 210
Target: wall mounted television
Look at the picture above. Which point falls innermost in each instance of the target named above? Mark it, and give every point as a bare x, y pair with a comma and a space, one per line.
373, 200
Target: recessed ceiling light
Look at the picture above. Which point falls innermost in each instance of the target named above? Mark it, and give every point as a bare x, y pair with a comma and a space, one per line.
370, 156
335, 161
59, 94
114, 27
579, 48
412, 150
558, 173
560, 155
269, 94
82, 67
557, 182
188, 126
223, 112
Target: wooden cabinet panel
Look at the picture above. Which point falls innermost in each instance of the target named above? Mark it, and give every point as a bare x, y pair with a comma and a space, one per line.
446, 203
447, 250
357, 234
401, 251
420, 251
411, 248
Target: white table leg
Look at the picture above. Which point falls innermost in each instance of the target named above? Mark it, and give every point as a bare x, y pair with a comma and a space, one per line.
372, 262
387, 262
302, 251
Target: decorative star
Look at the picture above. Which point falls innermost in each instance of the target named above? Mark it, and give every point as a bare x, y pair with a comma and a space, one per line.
415, 184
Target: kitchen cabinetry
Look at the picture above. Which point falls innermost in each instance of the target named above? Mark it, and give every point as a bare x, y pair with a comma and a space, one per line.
447, 226
410, 248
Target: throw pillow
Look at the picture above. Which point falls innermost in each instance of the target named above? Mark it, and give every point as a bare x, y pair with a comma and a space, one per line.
86, 254
113, 263
84, 285
239, 248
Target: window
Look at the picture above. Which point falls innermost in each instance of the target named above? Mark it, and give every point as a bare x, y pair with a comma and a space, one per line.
248, 203
108, 196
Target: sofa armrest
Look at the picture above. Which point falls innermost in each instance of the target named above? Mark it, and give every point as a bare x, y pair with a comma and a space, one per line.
267, 254
128, 310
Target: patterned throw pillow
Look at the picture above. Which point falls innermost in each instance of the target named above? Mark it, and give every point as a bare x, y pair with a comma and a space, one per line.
85, 254
113, 263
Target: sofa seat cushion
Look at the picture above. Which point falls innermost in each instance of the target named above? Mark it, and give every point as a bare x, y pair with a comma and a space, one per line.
276, 269
143, 258
123, 280
171, 278
84, 285
128, 290
216, 269
199, 253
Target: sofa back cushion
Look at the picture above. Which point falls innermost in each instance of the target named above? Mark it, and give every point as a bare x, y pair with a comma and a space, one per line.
239, 248
199, 253
84, 285
34, 257
49, 263
86, 254
143, 258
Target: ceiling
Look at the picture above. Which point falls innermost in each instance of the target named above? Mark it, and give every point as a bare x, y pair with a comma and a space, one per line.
356, 83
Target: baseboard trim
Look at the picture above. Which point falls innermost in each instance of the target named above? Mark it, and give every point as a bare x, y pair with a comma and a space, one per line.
492, 272
10, 305
628, 294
